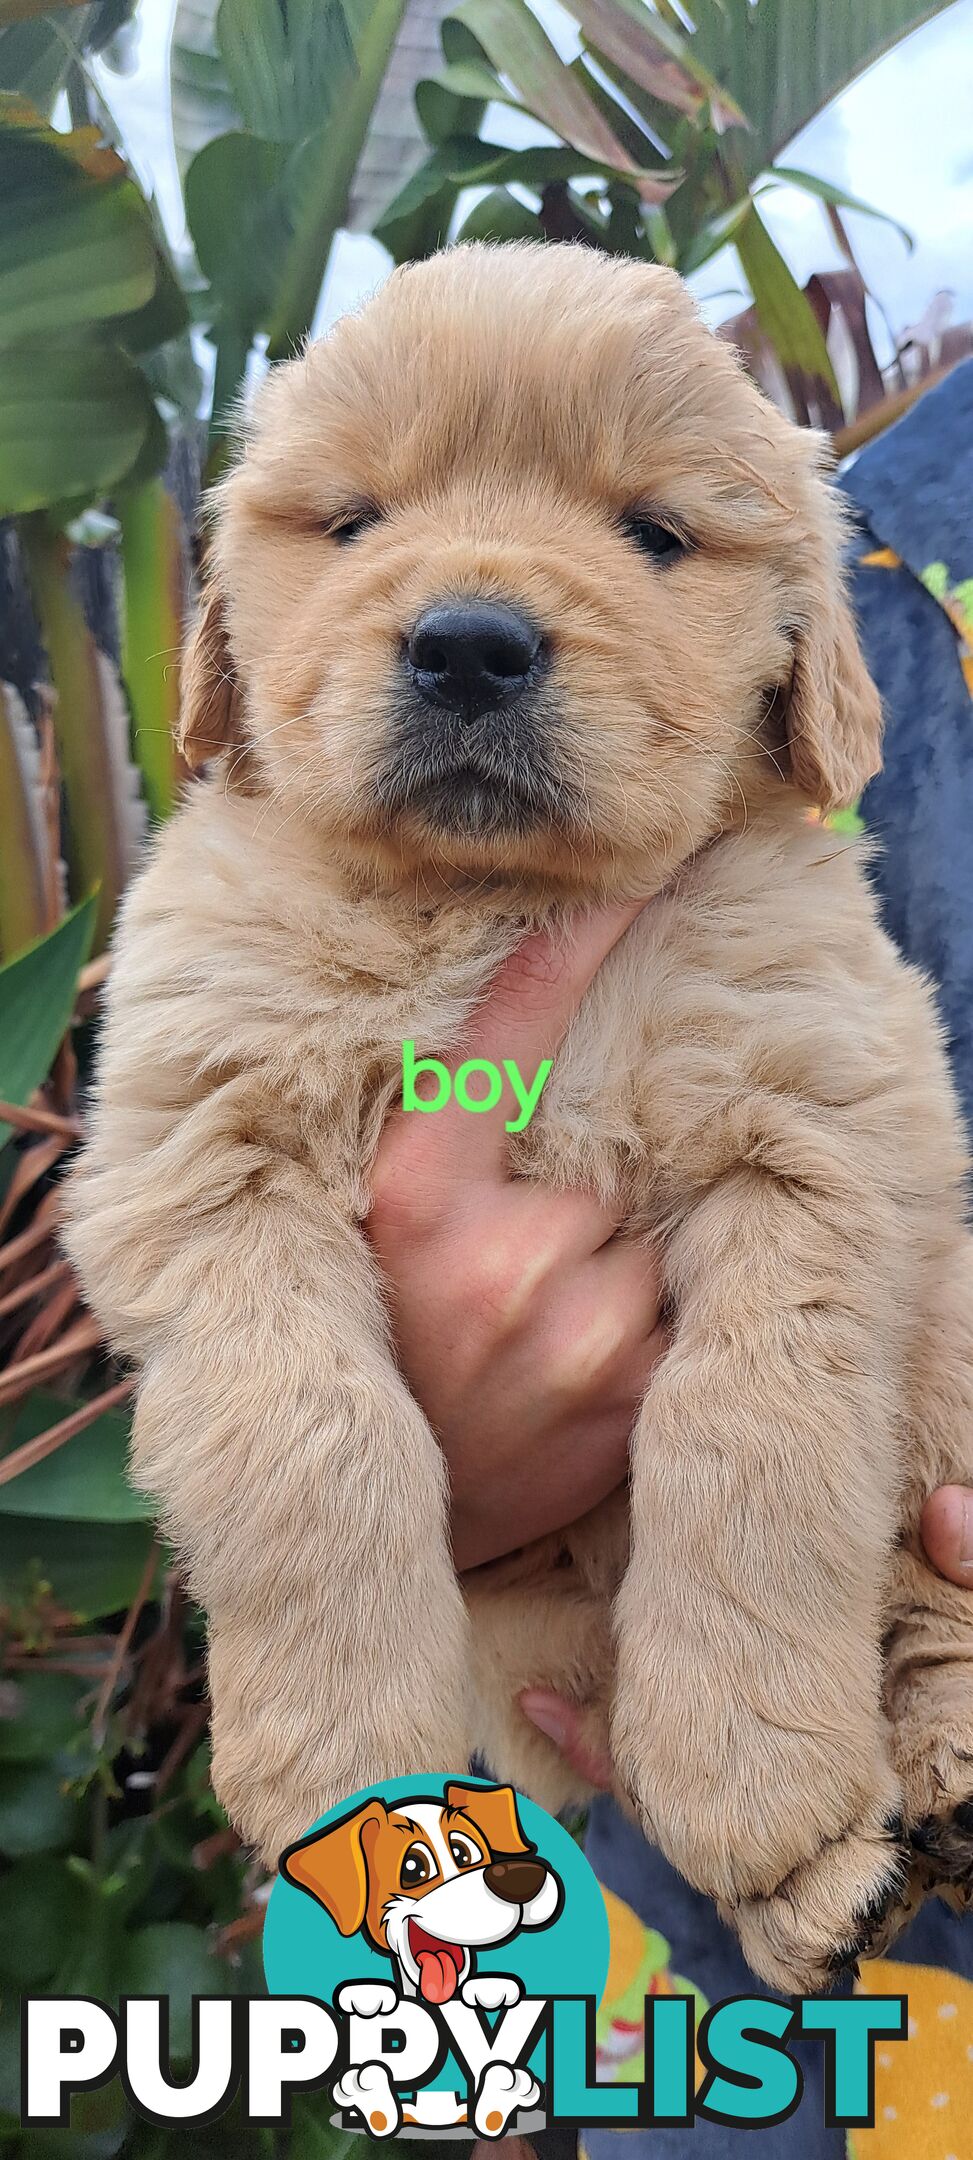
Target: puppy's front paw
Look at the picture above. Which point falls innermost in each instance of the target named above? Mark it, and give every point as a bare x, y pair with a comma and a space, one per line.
491, 1991
502, 2092
367, 2091
367, 1998
845, 1902
936, 1766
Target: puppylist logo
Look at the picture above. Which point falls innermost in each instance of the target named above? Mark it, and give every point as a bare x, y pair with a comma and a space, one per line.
436, 1951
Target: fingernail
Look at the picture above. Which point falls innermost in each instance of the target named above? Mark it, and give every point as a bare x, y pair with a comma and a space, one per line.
966, 1534
545, 1713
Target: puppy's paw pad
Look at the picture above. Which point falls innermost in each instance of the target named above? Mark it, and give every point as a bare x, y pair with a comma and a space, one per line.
843, 1904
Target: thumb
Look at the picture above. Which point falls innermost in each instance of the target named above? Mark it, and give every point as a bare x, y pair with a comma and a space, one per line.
947, 1533
564, 1723
535, 994
525, 1016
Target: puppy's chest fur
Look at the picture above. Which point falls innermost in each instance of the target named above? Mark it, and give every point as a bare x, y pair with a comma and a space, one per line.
753, 1014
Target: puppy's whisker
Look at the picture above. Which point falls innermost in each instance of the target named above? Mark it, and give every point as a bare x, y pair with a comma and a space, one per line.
266, 734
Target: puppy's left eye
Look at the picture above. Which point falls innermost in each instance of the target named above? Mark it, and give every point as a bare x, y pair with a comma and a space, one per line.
463, 1852
654, 539
352, 524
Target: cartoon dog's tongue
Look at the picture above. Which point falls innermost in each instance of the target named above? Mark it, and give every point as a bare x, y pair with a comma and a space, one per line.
437, 1975
440, 1964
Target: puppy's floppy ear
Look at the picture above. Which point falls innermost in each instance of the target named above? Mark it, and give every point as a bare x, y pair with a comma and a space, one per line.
210, 716
493, 1808
834, 715
331, 1866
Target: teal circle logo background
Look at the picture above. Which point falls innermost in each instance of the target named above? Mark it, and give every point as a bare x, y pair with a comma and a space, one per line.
305, 1955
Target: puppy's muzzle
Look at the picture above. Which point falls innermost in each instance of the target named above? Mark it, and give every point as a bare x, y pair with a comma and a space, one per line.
471, 657
517, 1881
474, 724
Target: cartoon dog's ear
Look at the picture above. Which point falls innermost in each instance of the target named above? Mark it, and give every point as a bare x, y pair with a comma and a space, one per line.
331, 1865
210, 716
493, 1808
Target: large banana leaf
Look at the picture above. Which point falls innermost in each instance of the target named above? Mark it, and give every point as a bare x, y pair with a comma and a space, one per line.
84, 283
201, 98
265, 199
783, 60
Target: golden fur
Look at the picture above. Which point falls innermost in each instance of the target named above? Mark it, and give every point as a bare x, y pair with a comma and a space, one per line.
755, 1077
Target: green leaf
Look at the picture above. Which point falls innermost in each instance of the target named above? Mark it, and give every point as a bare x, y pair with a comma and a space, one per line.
35, 57
86, 1480
417, 220
657, 57
811, 185
152, 618
74, 261
514, 42
27, 889
319, 192
501, 216
289, 69
444, 110
783, 60
200, 96
39, 1715
469, 82
42, 1904
37, 992
712, 234
74, 417
239, 217
36, 1814
784, 313
88, 1575
105, 817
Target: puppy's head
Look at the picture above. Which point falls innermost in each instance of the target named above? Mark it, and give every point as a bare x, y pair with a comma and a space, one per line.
519, 575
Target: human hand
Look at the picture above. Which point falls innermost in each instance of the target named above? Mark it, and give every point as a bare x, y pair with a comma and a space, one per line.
524, 1326
947, 1534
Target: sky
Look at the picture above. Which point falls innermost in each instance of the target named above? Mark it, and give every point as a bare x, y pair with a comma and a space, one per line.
900, 137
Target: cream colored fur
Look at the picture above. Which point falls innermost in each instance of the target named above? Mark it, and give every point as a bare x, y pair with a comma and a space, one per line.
755, 1078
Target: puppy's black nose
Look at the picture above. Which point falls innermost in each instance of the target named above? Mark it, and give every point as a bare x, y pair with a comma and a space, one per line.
470, 655
516, 1880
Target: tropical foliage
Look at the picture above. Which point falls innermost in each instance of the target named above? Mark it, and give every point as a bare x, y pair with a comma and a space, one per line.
669, 140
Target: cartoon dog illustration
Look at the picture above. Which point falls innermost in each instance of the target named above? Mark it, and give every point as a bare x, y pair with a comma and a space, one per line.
430, 1882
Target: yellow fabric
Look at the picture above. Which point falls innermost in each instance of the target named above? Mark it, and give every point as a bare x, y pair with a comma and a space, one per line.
923, 2085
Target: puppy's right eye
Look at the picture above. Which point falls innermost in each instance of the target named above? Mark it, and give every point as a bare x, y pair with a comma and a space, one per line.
654, 539
350, 527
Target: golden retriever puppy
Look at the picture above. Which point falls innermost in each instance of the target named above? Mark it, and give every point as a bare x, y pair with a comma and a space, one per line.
521, 595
